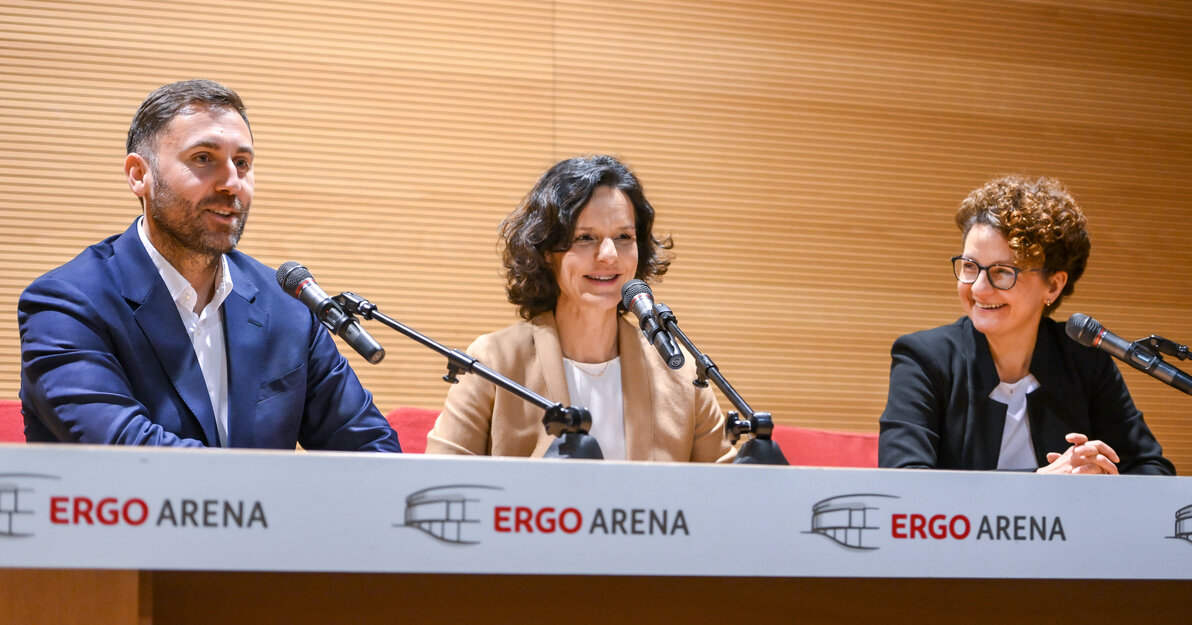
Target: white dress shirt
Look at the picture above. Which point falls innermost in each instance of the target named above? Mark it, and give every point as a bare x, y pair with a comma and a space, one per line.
597, 387
1017, 451
205, 329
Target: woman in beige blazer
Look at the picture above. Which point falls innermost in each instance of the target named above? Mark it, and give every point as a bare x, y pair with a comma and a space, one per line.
582, 232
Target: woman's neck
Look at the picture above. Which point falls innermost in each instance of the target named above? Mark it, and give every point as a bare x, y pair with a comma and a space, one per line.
587, 335
1012, 355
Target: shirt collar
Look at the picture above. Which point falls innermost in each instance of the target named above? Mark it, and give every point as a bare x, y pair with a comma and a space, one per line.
178, 285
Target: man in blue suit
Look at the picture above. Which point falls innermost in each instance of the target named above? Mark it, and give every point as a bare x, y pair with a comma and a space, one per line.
165, 335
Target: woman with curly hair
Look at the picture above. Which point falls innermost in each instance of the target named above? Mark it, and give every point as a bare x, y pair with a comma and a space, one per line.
581, 233
1003, 387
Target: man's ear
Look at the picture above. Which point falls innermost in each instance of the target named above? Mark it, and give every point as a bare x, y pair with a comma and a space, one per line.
138, 173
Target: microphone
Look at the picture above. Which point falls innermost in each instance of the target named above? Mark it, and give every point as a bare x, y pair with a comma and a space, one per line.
1087, 331
639, 299
296, 280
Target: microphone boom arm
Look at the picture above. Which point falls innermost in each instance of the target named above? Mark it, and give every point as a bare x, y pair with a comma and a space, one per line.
705, 367
760, 424
1166, 346
1146, 355
558, 420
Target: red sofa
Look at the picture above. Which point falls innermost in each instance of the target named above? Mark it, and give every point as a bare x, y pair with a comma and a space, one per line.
802, 446
12, 424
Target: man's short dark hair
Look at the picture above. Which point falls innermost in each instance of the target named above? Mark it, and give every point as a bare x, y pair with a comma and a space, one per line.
168, 101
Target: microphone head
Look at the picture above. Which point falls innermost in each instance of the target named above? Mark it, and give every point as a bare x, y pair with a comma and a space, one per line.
1083, 329
632, 289
290, 275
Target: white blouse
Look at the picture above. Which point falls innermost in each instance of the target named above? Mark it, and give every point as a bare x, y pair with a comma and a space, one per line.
1017, 451
597, 387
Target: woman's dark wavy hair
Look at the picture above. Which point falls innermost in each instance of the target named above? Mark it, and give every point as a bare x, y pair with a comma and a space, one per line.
544, 222
1039, 219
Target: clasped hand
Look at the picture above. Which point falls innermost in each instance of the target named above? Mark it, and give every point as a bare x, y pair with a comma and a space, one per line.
1083, 457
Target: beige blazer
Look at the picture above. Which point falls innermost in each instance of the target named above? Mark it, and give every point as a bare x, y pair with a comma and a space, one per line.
666, 417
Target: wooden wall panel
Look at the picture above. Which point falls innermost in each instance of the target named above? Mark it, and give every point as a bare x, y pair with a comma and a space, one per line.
807, 157
391, 141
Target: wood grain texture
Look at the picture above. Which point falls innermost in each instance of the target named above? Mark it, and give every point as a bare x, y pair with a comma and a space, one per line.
183, 598
75, 597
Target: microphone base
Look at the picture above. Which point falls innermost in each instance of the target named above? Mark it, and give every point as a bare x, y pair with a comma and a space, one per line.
578, 445
761, 451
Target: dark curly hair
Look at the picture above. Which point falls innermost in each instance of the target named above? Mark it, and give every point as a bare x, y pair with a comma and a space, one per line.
1039, 219
544, 222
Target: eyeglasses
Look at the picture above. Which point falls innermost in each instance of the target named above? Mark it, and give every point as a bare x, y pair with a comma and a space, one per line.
1000, 276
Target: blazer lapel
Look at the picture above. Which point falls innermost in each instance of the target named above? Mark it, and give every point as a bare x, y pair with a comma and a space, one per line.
245, 330
549, 379
545, 374
1049, 407
637, 394
989, 417
157, 316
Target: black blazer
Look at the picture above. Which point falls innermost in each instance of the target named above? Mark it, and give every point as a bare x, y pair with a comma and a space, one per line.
939, 415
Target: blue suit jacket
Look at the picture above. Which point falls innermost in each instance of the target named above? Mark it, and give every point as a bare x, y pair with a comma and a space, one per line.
105, 358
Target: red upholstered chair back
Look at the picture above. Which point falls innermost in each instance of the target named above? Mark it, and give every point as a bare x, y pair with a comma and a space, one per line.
12, 424
412, 425
802, 446
823, 448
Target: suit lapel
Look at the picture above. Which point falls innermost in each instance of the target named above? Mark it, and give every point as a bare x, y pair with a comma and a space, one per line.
549, 379
989, 417
1049, 407
637, 394
157, 316
545, 375
245, 325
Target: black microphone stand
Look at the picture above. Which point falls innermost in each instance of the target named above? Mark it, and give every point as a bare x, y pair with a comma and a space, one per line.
1165, 346
1147, 355
569, 424
758, 450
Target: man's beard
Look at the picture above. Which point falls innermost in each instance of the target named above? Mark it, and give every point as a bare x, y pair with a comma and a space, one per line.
182, 221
